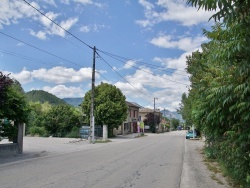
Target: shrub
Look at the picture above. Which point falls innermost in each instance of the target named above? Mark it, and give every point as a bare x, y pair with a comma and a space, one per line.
41, 131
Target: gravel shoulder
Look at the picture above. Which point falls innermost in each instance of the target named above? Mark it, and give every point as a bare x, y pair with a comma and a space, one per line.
195, 173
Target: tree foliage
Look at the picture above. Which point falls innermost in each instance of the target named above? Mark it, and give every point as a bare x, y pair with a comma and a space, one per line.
175, 123
220, 87
13, 102
109, 106
61, 119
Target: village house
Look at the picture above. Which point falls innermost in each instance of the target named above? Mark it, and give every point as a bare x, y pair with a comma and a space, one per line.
142, 116
130, 124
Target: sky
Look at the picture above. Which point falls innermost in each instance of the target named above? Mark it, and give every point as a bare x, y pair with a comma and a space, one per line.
141, 46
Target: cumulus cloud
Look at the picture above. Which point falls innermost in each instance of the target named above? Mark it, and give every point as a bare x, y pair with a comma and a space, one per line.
58, 75
66, 24
12, 11
146, 84
184, 43
178, 63
172, 10
23, 77
61, 75
40, 34
129, 64
63, 91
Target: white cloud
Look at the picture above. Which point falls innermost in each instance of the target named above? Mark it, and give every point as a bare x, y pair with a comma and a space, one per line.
63, 91
23, 77
148, 84
45, 21
172, 10
147, 5
40, 34
85, 29
94, 28
51, 2
12, 11
184, 43
83, 2
67, 24
129, 64
175, 63
61, 75
58, 75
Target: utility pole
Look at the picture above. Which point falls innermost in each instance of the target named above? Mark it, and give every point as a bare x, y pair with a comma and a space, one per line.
154, 115
170, 122
92, 118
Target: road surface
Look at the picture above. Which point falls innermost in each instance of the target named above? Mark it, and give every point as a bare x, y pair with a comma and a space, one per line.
158, 160
150, 161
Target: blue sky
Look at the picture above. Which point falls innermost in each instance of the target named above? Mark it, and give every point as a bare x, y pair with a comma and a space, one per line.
142, 46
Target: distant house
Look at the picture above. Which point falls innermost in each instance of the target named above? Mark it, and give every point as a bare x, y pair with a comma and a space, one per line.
144, 111
130, 124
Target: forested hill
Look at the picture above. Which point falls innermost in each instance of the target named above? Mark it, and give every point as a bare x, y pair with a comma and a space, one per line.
73, 101
43, 96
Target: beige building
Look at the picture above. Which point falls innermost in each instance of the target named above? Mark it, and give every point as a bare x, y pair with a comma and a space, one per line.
130, 124
144, 111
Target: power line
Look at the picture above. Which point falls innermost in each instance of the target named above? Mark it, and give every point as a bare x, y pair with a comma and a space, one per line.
147, 71
58, 25
117, 57
39, 49
25, 57
120, 75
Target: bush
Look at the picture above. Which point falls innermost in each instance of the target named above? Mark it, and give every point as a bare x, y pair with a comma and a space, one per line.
41, 131
74, 133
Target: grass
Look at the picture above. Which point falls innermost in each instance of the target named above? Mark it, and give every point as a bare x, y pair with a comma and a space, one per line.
217, 171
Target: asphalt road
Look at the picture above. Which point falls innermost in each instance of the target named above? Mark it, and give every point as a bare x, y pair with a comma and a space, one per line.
157, 160
150, 161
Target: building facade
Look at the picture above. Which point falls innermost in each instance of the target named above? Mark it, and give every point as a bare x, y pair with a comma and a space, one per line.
130, 124
142, 116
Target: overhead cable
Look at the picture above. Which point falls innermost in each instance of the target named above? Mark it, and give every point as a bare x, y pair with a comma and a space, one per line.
150, 72
120, 75
58, 25
39, 49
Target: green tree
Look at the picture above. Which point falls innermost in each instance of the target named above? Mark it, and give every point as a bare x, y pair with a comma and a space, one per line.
110, 106
13, 105
5, 82
185, 110
37, 118
61, 119
175, 123
220, 87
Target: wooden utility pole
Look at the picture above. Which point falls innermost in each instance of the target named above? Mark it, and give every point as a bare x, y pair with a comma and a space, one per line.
92, 118
154, 115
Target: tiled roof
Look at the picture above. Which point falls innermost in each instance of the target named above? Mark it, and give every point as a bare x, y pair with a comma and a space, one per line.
132, 104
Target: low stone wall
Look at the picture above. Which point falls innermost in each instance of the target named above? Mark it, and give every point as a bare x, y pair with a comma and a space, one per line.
10, 149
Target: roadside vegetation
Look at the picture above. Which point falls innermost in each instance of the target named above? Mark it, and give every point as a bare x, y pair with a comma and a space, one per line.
218, 101
46, 115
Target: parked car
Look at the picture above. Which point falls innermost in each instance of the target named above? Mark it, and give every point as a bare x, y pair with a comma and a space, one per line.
191, 134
